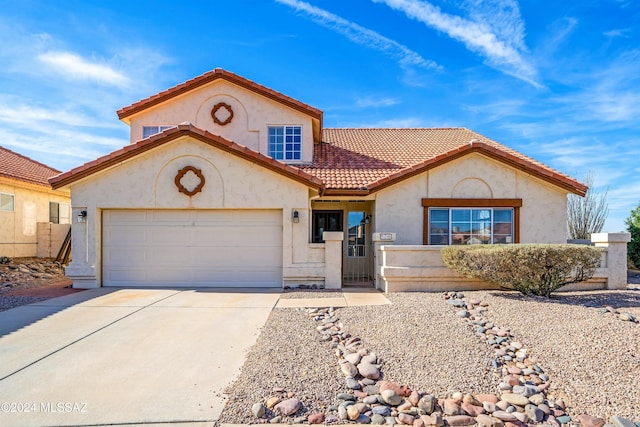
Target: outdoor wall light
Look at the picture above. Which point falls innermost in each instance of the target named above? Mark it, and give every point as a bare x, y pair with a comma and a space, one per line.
295, 216
82, 216
367, 219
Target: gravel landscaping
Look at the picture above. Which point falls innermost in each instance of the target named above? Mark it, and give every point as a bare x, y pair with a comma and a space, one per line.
592, 357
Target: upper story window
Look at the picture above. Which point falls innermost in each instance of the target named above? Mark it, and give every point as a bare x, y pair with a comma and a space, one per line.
147, 131
285, 142
7, 202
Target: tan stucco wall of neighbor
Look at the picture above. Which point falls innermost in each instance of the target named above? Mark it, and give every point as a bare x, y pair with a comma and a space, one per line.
543, 214
147, 182
252, 114
18, 229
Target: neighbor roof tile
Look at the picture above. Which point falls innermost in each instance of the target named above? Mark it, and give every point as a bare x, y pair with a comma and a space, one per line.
17, 166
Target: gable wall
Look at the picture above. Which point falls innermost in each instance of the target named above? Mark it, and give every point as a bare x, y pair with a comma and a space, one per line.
543, 214
252, 114
147, 182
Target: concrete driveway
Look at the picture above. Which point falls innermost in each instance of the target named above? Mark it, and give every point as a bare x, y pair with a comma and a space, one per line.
126, 356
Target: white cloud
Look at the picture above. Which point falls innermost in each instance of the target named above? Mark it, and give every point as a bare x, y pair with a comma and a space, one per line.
618, 32
373, 102
14, 111
74, 66
361, 35
495, 31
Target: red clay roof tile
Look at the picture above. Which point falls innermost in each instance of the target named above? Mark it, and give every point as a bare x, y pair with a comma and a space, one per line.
22, 168
356, 159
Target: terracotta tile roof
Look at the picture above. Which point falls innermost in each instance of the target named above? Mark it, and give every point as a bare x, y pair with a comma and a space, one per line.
360, 161
209, 77
22, 168
171, 134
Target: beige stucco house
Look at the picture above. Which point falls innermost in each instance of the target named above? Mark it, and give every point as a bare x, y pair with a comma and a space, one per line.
228, 183
27, 200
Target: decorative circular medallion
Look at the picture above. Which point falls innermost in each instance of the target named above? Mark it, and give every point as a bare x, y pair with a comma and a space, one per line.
222, 113
181, 174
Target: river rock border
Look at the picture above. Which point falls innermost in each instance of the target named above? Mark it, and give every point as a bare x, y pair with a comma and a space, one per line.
522, 397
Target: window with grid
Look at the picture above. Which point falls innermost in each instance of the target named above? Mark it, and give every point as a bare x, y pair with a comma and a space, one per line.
285, 142
7, 202
470, 226
356, 245
147, 131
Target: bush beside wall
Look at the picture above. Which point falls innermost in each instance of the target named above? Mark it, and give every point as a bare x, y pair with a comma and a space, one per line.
533, 269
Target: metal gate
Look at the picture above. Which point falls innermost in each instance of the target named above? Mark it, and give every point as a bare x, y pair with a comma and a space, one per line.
357, 265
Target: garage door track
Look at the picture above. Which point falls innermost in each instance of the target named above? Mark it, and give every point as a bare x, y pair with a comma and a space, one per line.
126, 356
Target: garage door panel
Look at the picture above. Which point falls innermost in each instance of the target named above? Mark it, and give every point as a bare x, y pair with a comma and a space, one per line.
192, 248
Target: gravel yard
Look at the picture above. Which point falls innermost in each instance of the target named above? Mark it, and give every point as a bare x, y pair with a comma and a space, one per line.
593, 358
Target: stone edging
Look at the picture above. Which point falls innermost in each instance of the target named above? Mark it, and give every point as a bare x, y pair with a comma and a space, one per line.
521, 397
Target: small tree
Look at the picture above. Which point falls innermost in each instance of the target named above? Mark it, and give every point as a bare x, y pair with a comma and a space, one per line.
586, 215
633, 227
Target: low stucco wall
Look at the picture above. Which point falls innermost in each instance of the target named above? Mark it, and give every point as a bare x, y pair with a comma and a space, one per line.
50, 238
403, 268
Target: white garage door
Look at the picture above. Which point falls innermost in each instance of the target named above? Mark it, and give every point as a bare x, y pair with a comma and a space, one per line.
192, 248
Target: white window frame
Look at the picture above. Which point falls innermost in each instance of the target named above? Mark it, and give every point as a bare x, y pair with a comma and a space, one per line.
153, 130
279, 149
3, 201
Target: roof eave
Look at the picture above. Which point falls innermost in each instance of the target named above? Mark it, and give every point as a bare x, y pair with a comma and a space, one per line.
126, 113
566, 183
171, 134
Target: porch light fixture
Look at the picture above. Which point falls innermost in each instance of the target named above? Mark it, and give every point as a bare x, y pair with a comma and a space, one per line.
367, 219
82, 216
295, 216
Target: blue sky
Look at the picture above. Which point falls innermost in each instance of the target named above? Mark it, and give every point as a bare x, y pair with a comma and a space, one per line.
558, 81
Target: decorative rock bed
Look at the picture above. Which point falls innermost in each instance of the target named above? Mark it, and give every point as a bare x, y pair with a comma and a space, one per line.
521, 398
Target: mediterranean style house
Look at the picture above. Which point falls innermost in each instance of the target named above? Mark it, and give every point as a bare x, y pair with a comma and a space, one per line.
226, 182
27, 200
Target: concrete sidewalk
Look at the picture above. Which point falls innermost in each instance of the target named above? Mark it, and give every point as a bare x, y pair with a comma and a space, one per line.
116, 356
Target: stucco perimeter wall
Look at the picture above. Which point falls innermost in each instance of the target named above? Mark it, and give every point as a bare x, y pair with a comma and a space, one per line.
543, 214
252, 114
19, 229
420, 268
147, 182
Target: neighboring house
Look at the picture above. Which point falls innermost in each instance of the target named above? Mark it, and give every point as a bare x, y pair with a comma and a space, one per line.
229, 183
26, 199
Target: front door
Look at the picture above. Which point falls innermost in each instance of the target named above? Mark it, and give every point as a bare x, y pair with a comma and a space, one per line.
358, 256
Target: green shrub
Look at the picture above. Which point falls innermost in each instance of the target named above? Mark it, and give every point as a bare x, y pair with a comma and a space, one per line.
633, 227
533, 269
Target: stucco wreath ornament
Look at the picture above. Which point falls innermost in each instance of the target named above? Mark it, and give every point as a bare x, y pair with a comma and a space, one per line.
222, 107
181, 174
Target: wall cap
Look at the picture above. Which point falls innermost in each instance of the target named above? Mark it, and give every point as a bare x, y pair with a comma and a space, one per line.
611, 237
333, 235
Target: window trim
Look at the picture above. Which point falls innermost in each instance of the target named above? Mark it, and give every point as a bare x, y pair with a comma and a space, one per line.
13, 197
284, 143
516, 204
